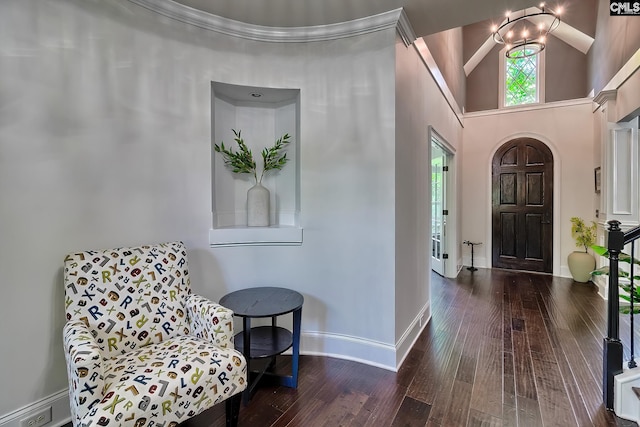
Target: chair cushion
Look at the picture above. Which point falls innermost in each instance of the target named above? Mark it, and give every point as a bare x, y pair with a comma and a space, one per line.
129, 297
167, 382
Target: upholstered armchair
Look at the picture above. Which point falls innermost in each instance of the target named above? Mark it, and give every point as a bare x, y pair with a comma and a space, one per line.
141, 349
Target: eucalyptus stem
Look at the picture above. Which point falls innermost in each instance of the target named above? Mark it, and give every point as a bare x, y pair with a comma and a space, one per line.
271, 158
242, 161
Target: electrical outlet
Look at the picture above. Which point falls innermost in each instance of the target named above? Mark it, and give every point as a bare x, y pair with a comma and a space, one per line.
37, 419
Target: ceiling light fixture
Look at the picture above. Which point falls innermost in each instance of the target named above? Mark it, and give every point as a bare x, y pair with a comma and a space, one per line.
530, 43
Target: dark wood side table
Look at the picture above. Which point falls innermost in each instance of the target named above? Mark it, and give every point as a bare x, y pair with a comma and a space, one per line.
266, 342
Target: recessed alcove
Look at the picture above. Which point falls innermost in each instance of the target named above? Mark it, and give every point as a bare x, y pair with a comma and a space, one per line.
262, 115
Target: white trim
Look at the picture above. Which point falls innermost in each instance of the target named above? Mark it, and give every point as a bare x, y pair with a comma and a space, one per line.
405, 30
530, 107
411, 335
603, 97
428, 60
441, 141
230, 27
478, 261
348, 347
451, 195
255, 236
361, 350
564, 271
573, 37
623, 74
602, 283
625, 404
60, 410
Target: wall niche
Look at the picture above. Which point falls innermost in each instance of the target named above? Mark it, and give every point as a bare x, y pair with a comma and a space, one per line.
262, 115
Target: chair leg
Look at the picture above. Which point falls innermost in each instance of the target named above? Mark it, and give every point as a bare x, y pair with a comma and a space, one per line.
233, 409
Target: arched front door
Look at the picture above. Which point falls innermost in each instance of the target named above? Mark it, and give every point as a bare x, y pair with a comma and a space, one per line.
522, 218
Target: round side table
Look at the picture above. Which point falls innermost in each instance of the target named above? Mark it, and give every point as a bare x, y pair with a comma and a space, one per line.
266, 342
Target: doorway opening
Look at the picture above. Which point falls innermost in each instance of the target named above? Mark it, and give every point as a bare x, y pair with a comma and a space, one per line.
441, 187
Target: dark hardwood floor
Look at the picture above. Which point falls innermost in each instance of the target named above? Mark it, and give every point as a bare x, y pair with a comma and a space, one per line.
502, 349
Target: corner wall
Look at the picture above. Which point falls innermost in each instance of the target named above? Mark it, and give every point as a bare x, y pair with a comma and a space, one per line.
419, 104
105, 141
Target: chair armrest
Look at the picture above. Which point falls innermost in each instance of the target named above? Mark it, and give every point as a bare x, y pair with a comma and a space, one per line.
210, 321
84, 367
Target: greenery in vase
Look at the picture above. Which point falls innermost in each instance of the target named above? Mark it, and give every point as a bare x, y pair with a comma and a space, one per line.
585, 236
241, 161
626, 287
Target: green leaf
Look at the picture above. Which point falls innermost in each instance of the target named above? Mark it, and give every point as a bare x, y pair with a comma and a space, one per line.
600, 250
627, 310
240, 161
602, 271
272, 158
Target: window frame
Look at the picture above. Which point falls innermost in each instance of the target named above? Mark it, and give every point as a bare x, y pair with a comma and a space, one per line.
540, 81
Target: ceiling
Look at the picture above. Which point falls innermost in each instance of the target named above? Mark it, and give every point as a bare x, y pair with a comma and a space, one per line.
426, 16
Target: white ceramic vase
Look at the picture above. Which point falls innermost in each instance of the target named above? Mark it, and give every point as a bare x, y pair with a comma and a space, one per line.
581, 264
258, 206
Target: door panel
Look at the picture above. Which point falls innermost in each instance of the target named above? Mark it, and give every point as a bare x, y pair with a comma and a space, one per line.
508, 225
534, 236
522, 193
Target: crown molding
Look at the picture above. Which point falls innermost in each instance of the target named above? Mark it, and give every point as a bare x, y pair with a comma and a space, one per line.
405, 29
605, 96
230, 27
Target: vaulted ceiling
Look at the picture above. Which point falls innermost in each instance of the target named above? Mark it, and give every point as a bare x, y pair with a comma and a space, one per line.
426, 17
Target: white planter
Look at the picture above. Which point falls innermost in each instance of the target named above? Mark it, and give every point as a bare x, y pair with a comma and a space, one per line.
258, 206
581, 264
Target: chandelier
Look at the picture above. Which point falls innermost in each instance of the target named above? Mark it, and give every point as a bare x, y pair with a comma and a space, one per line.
525, 34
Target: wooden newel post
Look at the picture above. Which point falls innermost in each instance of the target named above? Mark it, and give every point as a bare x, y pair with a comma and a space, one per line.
612, 348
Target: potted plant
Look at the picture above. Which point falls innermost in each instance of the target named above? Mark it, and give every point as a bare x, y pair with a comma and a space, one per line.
582, 263
242, 162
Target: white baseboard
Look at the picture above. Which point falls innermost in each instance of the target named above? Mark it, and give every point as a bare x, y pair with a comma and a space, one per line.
408, 339
460, 266
348, 347
60, 412
564, 271
478, 262
626, 403
603, 285
368, 352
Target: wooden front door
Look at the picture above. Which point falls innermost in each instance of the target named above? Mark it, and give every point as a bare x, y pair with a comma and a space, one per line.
522, 193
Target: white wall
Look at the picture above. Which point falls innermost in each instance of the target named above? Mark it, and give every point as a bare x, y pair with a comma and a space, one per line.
419, 104
104, 141
567, 128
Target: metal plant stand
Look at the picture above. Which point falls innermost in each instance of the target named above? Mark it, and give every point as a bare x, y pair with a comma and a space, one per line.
472, 244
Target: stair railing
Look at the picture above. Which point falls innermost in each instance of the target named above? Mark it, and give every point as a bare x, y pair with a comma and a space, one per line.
612, 346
